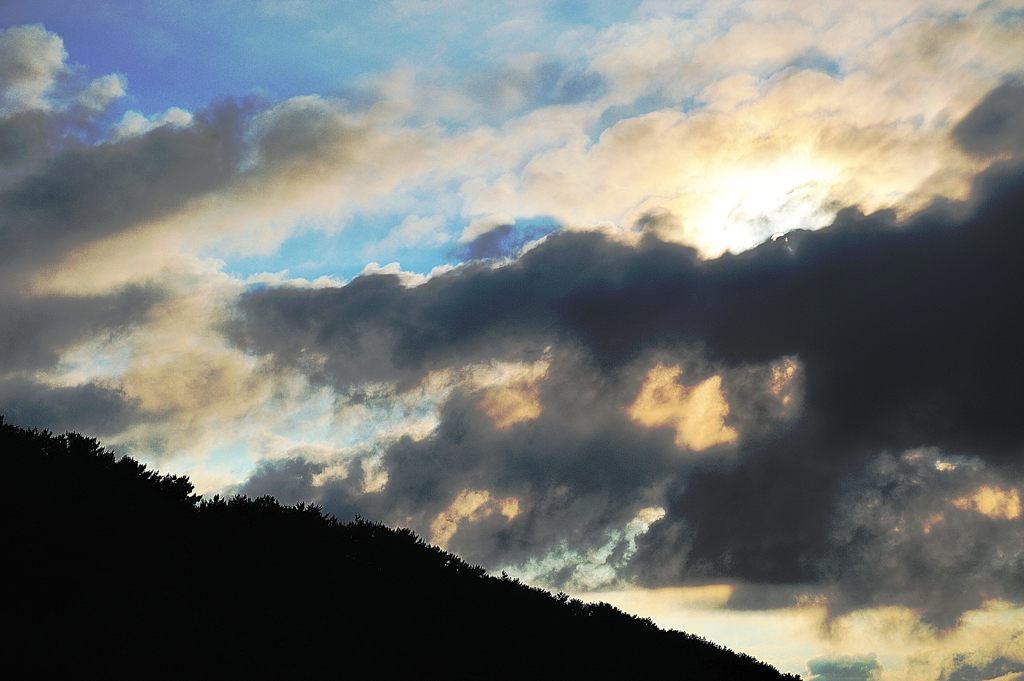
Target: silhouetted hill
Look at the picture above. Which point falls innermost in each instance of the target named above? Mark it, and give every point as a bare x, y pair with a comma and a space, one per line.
115, 570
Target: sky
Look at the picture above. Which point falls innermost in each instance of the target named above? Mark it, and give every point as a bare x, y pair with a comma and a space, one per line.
710, 310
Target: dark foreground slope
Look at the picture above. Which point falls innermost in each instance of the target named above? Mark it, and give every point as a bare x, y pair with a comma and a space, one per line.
116, 569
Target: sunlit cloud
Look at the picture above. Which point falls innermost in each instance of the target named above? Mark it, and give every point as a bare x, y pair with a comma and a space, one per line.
784, 375
512, 393
697, 413
994, 502
470, 506
864, 509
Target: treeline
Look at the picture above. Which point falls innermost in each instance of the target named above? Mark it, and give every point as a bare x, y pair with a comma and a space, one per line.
117, 570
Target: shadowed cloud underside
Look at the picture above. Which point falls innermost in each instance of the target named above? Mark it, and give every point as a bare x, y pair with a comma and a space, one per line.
633, 298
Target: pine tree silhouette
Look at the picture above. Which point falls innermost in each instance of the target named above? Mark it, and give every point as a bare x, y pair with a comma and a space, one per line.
116, 570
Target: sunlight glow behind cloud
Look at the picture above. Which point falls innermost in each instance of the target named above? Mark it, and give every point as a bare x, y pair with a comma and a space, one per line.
472, 283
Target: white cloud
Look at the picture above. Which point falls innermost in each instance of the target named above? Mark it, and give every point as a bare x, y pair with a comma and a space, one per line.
102, 91
134, 123
750, 142
31, 60
283, 279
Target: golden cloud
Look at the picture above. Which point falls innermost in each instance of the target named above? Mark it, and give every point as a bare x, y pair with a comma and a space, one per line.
782, 381
512, 404
697, 414
470, 505
995, 502
511, 390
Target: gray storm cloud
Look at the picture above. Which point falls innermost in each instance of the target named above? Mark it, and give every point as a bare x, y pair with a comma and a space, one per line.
901, 334
905, 337
62, 187
86, 194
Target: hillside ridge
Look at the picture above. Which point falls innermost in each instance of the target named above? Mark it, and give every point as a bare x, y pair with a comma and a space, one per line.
120, 569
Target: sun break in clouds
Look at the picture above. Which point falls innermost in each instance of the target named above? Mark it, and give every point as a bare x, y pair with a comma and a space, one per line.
632, 297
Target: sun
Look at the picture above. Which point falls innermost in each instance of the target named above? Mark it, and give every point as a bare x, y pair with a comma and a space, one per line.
736, 207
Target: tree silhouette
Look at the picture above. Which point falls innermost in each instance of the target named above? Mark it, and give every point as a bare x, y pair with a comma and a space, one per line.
117, 570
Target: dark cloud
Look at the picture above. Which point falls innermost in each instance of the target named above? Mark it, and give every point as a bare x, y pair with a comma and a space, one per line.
562, 467
34, 331
904, 328
26, 140
996, 125
657, 222
30, 139
87, 193
291, 480
302, 136
906, 336
844, 668
61, 188
375, 329
897, 538
965, 668
91, 408
751, 520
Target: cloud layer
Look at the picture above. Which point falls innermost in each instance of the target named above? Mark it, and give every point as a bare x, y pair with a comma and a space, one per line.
898, 332
714, 297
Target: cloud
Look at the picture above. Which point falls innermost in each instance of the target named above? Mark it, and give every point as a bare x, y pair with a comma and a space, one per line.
995, 127
559, 464
904, 648
851, 391
87, 194
32, 59
509, 405
697, 414
533, 82
501, 241
316, 160
415, 230
102, 91
91, 408
183, 377
868, 373
23, 142
829, 348
994, 502
35, 76
847, 668
133, 123
36, 330
901, 534
470, 505
968, 667
763, 118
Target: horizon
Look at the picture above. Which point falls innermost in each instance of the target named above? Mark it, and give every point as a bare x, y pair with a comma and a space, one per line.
706, 310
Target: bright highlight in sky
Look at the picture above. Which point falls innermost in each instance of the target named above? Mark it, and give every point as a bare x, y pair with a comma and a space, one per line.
702, 306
